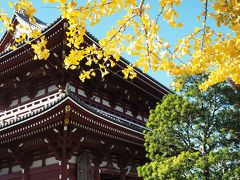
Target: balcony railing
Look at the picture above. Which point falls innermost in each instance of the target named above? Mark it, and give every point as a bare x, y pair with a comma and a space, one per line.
15, 114
19, 113
106, 108
111, 114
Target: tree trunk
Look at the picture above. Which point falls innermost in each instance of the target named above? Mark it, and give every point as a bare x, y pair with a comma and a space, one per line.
206, 172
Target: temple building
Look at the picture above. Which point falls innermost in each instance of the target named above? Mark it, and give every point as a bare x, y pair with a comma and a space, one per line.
53, 126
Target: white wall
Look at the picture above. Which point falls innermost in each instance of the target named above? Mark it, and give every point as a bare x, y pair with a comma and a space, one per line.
52, 88
105, 102
119, 108
24, 99
40, 92
129, 113
4, 171
51, 160
36, 164
73, 160
16, 168
14, 102
81, 92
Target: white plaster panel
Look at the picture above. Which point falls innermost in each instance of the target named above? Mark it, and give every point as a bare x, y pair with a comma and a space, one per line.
129, 113
139, 117
72, 88
36, 164
14, 102
115, 165
16, 168
81, 92
73, 160
24, 99
52, 88
40, 92
106, 103
119, 108
51, 160
97, 99
104, 163
4, 171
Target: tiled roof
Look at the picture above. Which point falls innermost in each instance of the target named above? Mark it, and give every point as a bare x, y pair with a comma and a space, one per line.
39, 24
22, 113
42, 26
109, 116
14, 118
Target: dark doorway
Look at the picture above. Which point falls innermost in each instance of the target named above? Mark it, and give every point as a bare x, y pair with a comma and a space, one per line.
109, 177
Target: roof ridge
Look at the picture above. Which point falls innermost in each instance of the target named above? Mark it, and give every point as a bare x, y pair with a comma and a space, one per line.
39, 23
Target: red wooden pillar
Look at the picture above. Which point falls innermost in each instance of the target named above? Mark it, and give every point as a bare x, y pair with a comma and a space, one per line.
25, 164
96, 171
64, 169
122, 174
122, 170
25, 173
64, 159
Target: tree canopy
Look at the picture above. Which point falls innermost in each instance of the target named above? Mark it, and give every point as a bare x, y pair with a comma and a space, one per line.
204, 51
194, 136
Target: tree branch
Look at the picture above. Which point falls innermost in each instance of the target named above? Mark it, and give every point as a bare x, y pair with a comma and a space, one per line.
204, 23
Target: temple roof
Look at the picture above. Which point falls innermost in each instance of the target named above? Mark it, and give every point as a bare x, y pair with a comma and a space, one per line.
36, 108
22, 18
8, 56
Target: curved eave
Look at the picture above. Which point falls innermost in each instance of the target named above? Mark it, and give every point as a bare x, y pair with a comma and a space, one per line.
105, 117
32, 115
39, 24
22, 44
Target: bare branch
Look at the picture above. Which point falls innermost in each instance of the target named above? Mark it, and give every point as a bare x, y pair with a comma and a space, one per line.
204, 23
159, 14
141, 4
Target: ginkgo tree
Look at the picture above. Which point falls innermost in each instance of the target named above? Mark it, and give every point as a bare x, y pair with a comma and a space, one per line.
203, 51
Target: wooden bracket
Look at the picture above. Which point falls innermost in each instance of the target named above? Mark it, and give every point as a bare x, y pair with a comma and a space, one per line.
67, 115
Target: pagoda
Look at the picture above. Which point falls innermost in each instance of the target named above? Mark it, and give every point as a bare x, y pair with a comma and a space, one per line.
53, 126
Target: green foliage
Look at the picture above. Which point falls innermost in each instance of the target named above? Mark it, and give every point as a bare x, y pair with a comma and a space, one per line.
195, 135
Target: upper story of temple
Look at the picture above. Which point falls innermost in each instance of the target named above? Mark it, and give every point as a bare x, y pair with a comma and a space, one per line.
28, 86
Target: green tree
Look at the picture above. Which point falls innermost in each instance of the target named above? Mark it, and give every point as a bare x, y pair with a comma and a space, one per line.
195, 135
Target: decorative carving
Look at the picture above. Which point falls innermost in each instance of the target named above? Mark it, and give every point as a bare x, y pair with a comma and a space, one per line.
67, 114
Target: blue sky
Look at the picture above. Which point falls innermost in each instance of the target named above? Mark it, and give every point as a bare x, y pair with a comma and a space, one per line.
188, 12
